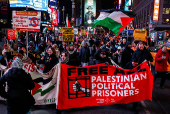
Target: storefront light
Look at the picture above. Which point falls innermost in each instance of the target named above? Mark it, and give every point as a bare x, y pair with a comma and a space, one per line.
167, 20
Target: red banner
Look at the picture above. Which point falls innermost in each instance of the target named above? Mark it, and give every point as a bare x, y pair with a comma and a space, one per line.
99, 85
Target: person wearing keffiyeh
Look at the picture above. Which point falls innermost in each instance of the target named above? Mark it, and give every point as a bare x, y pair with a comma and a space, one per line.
19, 99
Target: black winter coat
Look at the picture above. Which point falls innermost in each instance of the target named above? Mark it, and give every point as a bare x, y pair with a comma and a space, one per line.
73, 59
19, 99
126, 56
84, 54
99, 59
142, 55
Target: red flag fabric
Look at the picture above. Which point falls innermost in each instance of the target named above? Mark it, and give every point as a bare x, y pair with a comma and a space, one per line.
67, 22
125, 22
102, 84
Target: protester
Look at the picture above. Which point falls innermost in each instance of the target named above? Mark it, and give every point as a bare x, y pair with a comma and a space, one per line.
91, 41
126, 55
142, 54
50, 60
55, 46
40, 49
117, 55
84, 55
27, 59
48, 45
130, 65
62, 47
19, 99
73, 56
64, 58
77, 49
7, 48
101, 56
31, 47
134, 47
161, 59
123, 43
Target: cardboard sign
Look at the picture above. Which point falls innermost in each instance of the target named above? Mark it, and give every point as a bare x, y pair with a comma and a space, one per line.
68, 34
83, 32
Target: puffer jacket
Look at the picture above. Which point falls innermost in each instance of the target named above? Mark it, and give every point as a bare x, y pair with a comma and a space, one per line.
19, 99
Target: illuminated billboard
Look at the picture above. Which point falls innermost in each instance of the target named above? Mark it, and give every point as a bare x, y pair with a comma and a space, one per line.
3, 11
53, 16
128, 5
89, 12
156, 10
41, 5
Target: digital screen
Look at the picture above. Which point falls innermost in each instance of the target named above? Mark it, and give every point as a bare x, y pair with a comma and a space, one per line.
41, 5
89, 12
3, 11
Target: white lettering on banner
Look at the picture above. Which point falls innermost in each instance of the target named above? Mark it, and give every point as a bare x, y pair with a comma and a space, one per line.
113, 93
125, 78
105, 86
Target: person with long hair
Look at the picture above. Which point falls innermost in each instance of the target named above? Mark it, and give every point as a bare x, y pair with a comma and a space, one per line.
49, 60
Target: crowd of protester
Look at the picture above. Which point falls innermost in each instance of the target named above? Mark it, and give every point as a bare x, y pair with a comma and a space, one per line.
45, 51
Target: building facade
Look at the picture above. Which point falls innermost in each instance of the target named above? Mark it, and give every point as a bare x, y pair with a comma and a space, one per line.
158, 30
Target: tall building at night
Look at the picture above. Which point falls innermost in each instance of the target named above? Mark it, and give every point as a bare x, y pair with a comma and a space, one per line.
153, 15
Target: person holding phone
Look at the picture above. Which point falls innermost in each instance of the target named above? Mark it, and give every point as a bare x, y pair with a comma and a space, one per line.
161, 59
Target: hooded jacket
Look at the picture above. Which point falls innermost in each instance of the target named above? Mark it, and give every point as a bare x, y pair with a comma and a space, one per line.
19, 100
126, 55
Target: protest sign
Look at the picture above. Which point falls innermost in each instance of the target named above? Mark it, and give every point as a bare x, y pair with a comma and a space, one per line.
11, 33
68, 34
102, 84
26, 20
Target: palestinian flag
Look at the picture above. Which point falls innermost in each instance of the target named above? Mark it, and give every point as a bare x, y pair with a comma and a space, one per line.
45, 29
46, 84
67, 22
115, 21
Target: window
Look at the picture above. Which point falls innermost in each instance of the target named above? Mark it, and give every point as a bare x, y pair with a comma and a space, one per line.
164, 11
167, 11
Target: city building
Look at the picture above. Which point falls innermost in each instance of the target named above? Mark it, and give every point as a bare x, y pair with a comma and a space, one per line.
153, 15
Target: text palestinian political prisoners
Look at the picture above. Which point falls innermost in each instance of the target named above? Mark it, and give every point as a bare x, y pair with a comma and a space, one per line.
99, 85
